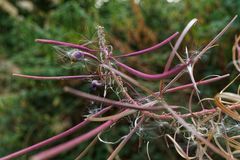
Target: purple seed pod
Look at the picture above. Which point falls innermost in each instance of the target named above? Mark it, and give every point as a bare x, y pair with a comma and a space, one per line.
150, 49
146, 76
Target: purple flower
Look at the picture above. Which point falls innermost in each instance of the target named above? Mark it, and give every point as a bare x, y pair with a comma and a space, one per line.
95, 84
76, 55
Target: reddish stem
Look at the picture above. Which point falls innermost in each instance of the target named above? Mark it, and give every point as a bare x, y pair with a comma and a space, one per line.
52, 139
148, 49
108, 101
66, 44
72, 143
191, 85
166, 74
187, 115
55, 77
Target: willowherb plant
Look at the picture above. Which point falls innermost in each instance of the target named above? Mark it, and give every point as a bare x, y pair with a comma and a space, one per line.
148, 110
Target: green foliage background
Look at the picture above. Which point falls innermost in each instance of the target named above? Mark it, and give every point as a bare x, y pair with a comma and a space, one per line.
31, 111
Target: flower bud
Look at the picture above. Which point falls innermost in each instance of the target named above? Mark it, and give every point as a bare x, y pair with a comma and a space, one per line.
76, 55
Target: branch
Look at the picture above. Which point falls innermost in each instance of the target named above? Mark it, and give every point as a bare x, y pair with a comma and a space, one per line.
65, 44
52, 139
148, 49
108, 101
54, 77
146, 76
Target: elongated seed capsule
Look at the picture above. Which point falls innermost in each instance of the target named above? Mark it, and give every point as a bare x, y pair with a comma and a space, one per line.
146, 76
66, 44
150, 49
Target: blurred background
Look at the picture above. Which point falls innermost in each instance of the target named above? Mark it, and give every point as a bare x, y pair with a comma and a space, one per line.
31, 111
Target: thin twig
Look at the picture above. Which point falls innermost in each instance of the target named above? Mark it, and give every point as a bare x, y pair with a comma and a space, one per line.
65, 44
55, 77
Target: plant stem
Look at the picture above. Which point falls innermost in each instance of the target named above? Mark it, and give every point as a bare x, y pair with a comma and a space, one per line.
65, 44
108, 101
126, 139
52, 139
188, 115
167, 74
72, 143
55, 77
150, 49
